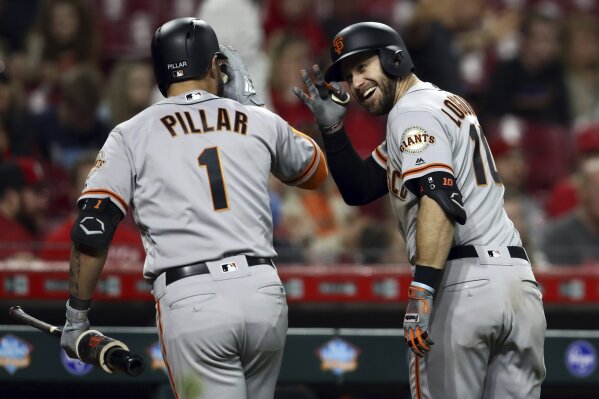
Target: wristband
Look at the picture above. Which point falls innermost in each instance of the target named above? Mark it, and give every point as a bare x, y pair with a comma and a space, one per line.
428, 276
79, 304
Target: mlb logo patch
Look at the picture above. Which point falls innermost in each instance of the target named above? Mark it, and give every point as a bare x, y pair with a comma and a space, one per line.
494, 254
178, 73
229, 267
194, 96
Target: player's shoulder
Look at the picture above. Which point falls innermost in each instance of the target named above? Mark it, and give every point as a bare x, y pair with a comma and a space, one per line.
423, 96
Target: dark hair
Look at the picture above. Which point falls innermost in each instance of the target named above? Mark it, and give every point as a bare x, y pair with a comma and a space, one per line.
536, 16
81, 89
85, 43
11, 176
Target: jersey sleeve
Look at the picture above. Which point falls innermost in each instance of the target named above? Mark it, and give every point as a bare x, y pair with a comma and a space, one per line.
299, 161
112, 174
380, 155
421, 144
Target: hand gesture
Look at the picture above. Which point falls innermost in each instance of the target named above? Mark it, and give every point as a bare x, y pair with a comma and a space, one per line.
326, 101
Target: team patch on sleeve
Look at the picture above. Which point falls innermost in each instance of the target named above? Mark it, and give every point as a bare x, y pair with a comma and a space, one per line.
415, 140
98, 163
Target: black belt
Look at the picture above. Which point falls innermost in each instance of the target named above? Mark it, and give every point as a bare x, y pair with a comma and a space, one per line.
468, 251
180, 272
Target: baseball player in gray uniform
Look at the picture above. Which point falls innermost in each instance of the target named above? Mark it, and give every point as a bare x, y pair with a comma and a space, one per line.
194, 170
487, 323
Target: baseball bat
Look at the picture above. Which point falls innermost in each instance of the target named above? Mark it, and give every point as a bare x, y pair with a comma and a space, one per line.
92, 346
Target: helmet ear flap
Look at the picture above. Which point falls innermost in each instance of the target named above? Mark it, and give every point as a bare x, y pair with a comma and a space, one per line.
394, 63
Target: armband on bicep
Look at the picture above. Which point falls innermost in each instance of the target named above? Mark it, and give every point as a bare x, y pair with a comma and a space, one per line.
441, 187
97, 222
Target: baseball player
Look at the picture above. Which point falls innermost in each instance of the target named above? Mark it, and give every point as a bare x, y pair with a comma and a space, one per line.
194, 170
473, 292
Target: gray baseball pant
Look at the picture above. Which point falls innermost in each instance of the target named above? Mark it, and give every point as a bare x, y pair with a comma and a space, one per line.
223, 334
488, 326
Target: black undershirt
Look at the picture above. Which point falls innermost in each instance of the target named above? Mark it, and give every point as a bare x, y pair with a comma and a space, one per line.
360, 181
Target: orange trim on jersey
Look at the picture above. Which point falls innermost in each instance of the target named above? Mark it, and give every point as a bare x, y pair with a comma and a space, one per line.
417, 377
319, 175
315, 156
380, 154
168, 368
426, 167
110, 193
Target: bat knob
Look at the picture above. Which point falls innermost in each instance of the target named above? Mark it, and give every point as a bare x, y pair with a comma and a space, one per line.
125, 361
13, 309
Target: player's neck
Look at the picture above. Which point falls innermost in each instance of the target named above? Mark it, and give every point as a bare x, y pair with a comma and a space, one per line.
404, 85
188, 85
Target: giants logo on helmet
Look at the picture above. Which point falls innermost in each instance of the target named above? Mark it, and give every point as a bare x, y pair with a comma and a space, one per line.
177, 65
338, 44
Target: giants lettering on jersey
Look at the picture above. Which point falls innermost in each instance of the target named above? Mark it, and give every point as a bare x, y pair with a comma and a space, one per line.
190, 122
415, 140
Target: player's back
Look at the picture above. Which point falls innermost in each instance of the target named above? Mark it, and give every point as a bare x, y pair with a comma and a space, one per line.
200, 167
462, 148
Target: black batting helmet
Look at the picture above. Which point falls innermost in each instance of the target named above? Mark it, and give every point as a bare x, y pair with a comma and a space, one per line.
368, 36
182, 49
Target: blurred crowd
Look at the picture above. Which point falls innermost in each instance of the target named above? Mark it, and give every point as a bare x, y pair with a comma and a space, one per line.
71, 70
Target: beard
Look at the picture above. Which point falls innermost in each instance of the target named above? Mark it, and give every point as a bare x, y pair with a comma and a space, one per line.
384, 106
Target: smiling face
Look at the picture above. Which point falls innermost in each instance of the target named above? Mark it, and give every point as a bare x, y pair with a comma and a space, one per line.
371, 87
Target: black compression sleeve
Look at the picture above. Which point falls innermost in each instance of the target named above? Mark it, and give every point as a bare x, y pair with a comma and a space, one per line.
359, 181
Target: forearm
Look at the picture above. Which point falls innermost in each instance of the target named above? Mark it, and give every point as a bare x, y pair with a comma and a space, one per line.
434, 234
359, 181
84, 272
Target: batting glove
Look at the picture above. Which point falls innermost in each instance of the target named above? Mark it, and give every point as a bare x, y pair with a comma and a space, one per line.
416, 320
76, 324
326, 101
238, 85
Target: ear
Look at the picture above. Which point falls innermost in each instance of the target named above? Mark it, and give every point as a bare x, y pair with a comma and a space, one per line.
214, 68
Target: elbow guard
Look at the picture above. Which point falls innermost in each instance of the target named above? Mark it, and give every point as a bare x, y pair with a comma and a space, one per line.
94, 228
441, 187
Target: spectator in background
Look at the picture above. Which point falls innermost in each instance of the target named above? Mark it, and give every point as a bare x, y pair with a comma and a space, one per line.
530, 227
532, 85
130, 90
16, 242
514, 172
238, 23
288, 52
581, 54
378, 243
563, 197
287, 252
126, 248
574, 239
319, 221
16, 129
432, 43
298, 17
34, 204
64, 36
73, 126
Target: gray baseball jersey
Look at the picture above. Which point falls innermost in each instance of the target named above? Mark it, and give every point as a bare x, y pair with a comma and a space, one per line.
194, 169
487, 320
425, 134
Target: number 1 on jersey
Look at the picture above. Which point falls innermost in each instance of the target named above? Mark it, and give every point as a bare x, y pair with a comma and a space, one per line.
210, 158
477, 159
